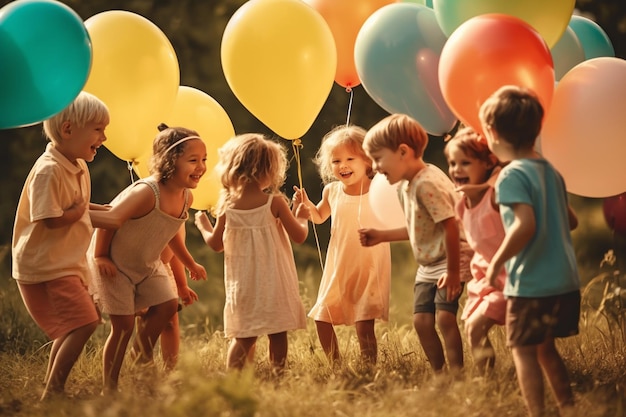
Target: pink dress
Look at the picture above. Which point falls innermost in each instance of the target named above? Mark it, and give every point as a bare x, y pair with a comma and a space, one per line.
355, 282
484, 232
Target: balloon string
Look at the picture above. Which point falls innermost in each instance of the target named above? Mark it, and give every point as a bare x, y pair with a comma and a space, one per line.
297, 145
129, 165
349, 90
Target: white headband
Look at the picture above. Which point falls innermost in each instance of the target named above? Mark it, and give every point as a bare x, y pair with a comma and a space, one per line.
178, 142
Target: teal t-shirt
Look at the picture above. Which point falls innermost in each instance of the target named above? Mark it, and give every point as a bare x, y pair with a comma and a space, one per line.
546, 266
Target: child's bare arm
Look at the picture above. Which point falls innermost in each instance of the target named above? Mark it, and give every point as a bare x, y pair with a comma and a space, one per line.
186, 294
177, 244
452, 280
212, 236
517, 236
573, 219
371, 237
297, 226
71, 215
102, 252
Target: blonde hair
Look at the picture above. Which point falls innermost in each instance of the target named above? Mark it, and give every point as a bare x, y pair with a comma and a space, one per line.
515, 114
350, 136
395, 130
164, 156
472, 145
250, 158
84, 109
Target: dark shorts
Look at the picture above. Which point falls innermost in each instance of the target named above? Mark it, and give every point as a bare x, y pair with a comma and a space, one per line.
530, 321
427, 298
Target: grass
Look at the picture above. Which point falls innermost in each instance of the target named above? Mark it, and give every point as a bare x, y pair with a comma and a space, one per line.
402, 383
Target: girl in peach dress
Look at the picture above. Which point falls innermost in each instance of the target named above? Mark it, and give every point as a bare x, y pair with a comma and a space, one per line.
354, 289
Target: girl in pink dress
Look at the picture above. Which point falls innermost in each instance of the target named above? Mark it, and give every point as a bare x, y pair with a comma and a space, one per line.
254, 224
473, 168
354, 289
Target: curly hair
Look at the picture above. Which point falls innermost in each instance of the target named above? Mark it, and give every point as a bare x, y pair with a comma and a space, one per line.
250, 158
351, 136
472, 145
163, 161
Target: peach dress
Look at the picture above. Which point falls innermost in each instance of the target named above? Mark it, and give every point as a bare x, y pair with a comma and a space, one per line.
356, 279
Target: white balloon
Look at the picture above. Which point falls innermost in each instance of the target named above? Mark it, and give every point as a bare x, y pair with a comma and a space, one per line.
385, 203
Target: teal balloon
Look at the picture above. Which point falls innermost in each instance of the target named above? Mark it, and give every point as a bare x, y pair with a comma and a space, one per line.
427, 3
396, 55
566, 53
594, 40
45, 58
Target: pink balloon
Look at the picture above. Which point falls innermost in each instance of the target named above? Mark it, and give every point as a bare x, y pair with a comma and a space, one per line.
385, 203
583, 131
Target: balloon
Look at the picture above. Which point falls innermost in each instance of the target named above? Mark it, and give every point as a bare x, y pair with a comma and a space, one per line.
549, 18
567, 53
582, 133
46, 56
593, 39
345, 18
488, 52
135, 72
279, 59
427, 3
614, 209
197, 110
397, 58
385, 204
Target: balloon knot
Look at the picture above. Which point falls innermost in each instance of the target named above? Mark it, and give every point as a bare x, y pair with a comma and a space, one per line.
348, 89
298, 143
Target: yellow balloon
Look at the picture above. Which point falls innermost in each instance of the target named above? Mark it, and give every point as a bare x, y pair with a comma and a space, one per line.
141, 165
195, 109
135, 72
548, 17
279, 59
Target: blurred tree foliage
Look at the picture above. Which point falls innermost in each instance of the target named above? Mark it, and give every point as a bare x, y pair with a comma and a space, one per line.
195, 27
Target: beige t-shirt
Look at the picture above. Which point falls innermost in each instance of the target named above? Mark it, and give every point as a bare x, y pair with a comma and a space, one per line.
39, 252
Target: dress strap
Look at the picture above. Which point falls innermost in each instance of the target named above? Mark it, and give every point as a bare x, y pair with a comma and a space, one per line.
186, 205
155, 190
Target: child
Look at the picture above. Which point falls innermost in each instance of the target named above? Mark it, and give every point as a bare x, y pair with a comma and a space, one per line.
260, 275
396, 146
170, 336
52, 232
473, 169
148, 215
543, 286
355, 283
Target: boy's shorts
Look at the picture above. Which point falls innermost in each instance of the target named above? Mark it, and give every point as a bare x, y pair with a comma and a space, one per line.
59, 306
427, 298
530, 321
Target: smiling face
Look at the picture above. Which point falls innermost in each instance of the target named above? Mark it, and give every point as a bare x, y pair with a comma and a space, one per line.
348, 165
389, 163
82, 142
465, 169
191, 164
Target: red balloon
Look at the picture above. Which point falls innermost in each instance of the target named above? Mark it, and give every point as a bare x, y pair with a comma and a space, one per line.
614, 209
487, 52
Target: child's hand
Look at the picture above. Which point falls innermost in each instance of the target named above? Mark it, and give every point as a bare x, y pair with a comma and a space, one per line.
106, 266
452, 285
300, 196
187, 295
197, 272
370, 237
491, 275
302, 211
202, 222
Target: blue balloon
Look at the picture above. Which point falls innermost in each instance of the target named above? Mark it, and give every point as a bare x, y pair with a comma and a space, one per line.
45, 58
594, 40
396, 54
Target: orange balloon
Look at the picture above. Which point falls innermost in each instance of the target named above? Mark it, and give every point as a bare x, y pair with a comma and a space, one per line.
490, 51
345, 18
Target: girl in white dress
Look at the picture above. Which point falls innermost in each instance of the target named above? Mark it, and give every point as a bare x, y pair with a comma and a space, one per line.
354, 289
254, 224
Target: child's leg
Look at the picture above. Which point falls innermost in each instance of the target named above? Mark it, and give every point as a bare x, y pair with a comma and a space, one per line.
529, 377
170, 342
477, 329
328, 340
449, 328
238, 352
115, 349
367, 340
67, 353
152, 324
556, 373
278, 350
56, 344
424, 324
